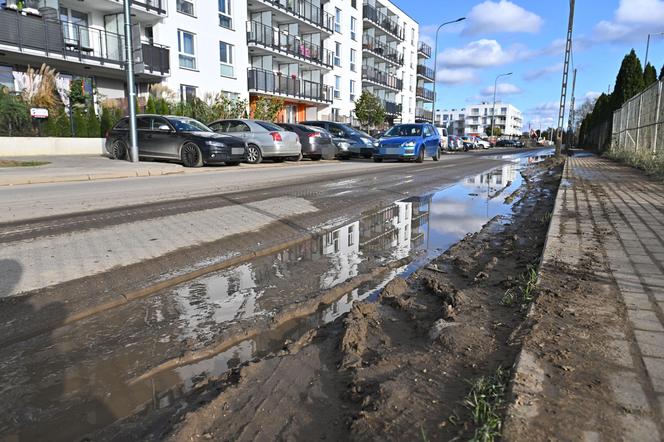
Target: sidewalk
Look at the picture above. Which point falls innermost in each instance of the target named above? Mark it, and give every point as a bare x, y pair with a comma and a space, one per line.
593, 367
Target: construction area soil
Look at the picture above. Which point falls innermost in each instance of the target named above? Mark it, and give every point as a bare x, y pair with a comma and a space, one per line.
396, 367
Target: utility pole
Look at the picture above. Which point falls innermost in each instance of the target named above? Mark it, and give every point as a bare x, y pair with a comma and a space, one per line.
493, 110
572, 112
563, 92
131, 87
435, 61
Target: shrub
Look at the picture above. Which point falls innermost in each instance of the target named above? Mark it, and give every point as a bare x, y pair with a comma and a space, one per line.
151, 107
80, 123
14, 115
63, 125
92, 123
267, 108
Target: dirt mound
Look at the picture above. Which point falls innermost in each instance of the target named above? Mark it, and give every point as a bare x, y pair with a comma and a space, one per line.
354, 341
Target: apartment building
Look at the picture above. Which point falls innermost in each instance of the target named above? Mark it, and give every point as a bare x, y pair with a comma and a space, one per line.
474, 119
317, 55
425, 76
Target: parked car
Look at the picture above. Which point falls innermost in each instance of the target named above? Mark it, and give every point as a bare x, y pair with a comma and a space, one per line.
468, 142
442, 132
316, 142
454, 142
182, 139
263, 139
409, 142
360, 144
482, 144
505, 142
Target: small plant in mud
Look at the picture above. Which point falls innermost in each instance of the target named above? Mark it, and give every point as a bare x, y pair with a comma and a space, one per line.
546, 218
485, 401
524, 293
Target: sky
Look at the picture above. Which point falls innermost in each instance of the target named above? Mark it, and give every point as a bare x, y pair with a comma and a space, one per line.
527, 38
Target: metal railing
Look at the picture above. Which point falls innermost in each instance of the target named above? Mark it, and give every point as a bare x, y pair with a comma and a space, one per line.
391, 108
306, 11
379, 48
426, 94
425, 71
62, 38
425, 49
264, 35
389, 24
377, 76
267, 81
423, 114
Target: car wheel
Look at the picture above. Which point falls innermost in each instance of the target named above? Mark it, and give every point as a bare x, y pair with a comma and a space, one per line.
232, 163
377, 160
316, 157
254, 155
436, 156
191, 155
297, 158
119, 150
420, 155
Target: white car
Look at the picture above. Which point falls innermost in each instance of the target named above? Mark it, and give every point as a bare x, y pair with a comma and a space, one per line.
482, 143
442, 131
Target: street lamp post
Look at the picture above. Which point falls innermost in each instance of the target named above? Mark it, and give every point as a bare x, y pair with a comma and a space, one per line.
435, 62
645, 63
493, 111
131, 87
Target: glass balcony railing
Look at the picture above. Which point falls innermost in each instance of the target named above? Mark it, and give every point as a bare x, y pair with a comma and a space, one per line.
305, 11
387, 23
391, 108
426, 94
425, 71
423, 114
379, 48
294, 46
267, 81
424, 49
377, 76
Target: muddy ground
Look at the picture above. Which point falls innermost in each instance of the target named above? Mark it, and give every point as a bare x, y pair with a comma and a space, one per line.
397, 368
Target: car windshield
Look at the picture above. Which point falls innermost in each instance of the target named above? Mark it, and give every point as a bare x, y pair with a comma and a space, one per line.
188, 125
269, 126
404, 130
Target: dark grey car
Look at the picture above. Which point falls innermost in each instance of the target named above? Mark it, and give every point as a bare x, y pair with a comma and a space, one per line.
316, 142
358, 143
176, 138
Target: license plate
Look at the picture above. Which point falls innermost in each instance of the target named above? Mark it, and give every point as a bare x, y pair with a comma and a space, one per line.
237, 151
392, 151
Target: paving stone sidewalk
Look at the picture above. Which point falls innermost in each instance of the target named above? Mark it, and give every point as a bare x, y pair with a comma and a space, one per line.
593, 366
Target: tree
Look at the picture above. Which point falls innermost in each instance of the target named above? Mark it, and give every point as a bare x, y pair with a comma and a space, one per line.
649, 75
225, 107
92, 123
80, 123
496, 131
151, 106
14, 114
629, 81
267, 108
369, 110
63, 126
77, 95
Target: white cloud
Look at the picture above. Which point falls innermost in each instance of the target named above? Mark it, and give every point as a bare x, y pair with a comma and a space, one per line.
640, 11
591, 95
543, 72
631, 22
502, 16
479, 54
502, 89
456, 76
544, 114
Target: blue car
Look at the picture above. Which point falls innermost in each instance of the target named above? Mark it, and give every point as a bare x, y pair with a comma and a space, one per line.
408, 142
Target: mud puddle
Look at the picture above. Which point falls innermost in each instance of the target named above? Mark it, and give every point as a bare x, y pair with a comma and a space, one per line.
84, 377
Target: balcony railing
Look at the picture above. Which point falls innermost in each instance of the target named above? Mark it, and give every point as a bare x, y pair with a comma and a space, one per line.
423, 114
426, 94
267, 81
377, 76
305, 11
258, 33
424, 49
425, 71
50, 8
389, 24
391, 108
379, 48
61, 38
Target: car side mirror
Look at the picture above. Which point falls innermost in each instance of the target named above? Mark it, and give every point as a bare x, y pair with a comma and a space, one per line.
164, 128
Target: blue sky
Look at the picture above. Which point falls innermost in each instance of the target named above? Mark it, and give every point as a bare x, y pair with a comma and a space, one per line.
528, 39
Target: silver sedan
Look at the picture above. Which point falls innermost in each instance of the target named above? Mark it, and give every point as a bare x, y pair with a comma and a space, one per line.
263, 139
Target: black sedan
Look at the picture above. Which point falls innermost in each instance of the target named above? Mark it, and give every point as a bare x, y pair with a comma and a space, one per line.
316, 142
182, 139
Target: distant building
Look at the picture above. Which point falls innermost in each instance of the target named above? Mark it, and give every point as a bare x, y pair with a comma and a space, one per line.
473, 120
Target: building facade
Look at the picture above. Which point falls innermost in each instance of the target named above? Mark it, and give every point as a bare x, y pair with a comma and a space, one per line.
317, 55
473, 120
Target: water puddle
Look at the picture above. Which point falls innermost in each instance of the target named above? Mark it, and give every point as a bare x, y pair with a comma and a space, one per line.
97, 390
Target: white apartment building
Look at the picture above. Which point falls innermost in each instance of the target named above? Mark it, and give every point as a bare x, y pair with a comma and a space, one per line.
318, 55
473, 120
425, 76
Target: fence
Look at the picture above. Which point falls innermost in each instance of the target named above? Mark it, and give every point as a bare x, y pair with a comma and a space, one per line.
638, 125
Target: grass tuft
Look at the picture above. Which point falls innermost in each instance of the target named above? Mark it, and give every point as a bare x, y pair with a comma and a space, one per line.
485, 401
524, 293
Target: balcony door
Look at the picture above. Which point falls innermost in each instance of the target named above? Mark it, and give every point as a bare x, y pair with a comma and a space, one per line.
114, 26
75, 27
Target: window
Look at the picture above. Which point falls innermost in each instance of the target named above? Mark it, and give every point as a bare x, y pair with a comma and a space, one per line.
75, 27
353, 3
186, 50
337, 20
337, 86
187, 93
337, 54
226, 59
185, 6
351, 238
353, 56
411, 83
238, 126
352, 90
353, 28
7, 78
225, 19
412, 36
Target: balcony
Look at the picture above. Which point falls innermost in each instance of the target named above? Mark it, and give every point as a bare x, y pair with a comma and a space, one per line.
423, 115
268, 82
305, 11
424, 49
391, 108
157, 7
387, 24
263, 36
378, 77
50, 8
382, 50
425, 71
71, 42
424, 94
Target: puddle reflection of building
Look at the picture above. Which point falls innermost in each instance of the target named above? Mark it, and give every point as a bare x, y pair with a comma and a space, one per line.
495, 179
342, 246
387, 231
